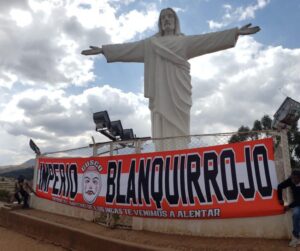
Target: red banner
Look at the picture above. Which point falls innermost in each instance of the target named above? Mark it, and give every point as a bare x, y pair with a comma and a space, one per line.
224, 181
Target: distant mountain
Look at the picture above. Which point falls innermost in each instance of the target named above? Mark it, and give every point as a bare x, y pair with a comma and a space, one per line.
28, 164
26, 172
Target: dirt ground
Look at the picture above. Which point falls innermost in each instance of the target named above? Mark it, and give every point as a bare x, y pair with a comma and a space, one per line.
12, 241
176, 242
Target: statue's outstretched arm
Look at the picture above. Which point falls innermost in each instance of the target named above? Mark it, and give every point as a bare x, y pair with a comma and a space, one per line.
248, 30
94, 50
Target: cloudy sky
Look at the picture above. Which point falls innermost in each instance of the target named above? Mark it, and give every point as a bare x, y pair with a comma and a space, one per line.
48, 91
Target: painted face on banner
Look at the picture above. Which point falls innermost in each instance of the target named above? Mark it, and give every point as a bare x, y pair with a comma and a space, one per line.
91, 185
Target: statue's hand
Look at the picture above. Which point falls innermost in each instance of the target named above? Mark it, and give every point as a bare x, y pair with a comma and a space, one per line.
94, 50
248, 30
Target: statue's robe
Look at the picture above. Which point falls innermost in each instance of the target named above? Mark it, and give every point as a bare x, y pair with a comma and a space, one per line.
167, 74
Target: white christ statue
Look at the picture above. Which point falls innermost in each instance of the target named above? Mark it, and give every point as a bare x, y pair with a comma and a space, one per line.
167, 70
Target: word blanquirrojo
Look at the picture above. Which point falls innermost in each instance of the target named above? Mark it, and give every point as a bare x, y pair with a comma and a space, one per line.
154, 181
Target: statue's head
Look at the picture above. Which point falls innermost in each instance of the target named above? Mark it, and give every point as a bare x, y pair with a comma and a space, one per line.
168, 22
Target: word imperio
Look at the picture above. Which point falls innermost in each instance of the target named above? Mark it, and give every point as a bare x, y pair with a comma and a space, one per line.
63, 177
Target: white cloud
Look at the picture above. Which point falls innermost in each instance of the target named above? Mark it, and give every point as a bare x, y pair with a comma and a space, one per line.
249, 11
215, 25
21, 17
57, 120
14, 149
241, 13
141, 21
126, 2
242, 84
41, 53
41, 44
7, 79
40, 56
103, 14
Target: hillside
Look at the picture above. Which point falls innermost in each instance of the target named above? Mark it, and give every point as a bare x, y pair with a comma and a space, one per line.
13, 171
9, 168
27, 173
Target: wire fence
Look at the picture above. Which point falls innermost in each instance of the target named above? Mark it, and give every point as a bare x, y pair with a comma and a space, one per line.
147, 145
